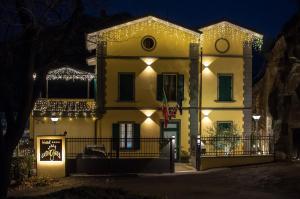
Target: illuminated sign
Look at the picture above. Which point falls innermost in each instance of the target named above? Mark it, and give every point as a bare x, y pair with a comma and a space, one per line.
50, 149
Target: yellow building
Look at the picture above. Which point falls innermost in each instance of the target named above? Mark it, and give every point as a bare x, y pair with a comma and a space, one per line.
137, 62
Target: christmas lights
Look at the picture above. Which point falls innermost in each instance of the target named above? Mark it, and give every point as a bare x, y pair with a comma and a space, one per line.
131, 29
233, 32
67, 73
64, 108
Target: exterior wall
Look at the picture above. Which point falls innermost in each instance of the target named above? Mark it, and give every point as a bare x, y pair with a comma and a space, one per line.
172, 52
216, 162
81, 127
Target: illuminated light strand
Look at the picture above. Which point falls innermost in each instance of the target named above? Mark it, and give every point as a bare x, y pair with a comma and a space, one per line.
67, 73
131, 30
233, 32
45, 107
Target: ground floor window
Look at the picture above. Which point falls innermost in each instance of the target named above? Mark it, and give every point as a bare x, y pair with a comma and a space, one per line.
224, 125
126, 135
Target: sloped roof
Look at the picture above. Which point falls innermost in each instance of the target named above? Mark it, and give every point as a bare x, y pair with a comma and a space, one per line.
91, 36
226, 23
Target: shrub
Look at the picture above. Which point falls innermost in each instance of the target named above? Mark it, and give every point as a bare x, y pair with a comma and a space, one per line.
224, 139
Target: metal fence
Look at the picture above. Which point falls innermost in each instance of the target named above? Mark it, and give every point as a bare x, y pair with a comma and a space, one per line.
119, 148
236, 145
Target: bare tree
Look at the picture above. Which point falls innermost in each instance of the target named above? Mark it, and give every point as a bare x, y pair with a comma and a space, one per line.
35, 36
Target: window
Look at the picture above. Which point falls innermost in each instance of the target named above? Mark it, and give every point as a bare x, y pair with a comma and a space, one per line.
224, 126
225, 91
172, 84
148, 43
126, 86
126, 135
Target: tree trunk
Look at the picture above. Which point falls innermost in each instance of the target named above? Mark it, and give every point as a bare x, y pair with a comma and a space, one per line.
5, 159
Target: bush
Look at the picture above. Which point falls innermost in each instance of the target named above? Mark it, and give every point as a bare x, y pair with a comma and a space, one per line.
224, 139
21, 168
184, 156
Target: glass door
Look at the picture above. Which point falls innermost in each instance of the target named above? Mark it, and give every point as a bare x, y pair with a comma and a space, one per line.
172, 131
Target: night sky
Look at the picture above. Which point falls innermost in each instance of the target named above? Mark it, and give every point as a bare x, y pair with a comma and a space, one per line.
264, 16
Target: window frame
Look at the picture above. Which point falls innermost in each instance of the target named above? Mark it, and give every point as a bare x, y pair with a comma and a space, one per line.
225, 121
176, 84
119, 88
132, 140
232, 87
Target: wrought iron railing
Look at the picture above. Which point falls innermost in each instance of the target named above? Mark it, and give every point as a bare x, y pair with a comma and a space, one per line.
236, 145
48, 107
116, 148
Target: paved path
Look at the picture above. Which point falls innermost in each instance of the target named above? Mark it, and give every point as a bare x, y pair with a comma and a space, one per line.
269, 181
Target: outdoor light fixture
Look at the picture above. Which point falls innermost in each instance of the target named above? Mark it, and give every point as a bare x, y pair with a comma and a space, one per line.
256, 117
206, 113
148, 60
54, 119
34, 76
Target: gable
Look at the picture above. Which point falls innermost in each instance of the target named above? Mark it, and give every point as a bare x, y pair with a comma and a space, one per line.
232, 32
130, 29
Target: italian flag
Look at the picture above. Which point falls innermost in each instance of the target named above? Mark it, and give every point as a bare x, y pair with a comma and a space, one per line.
165, 109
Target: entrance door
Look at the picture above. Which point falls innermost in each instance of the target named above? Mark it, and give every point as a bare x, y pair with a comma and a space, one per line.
172, 131
296, 143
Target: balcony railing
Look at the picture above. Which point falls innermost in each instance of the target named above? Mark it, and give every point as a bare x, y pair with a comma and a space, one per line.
45, 107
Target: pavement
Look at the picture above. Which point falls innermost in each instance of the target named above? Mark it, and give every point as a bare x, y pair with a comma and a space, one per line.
267, 181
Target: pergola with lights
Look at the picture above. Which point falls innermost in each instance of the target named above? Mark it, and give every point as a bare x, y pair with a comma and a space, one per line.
45, 107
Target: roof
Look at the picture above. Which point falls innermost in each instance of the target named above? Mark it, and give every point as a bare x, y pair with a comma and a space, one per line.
226, 23
143, 19
147, 18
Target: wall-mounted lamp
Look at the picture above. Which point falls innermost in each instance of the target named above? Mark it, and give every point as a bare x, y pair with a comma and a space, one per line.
149, 60
54, 119
206, 113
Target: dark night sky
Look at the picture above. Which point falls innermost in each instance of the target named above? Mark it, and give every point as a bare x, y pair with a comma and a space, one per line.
264, 16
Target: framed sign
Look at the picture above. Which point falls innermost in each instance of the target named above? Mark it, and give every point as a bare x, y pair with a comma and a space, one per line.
51, 149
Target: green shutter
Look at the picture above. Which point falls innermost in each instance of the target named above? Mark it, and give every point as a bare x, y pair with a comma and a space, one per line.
225, 88
95, 89
115, 136
136, 135
180, 88
159, 87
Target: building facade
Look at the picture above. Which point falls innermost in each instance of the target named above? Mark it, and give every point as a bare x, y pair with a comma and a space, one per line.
141, 64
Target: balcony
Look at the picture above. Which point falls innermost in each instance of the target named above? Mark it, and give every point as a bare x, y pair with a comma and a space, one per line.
50, 107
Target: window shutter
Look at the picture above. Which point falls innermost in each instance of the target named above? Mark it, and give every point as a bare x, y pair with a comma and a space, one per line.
136, 135
225, 88
159, 87
115, 136
180, 88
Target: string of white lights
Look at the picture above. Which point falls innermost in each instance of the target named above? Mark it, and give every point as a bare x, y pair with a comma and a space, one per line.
67, 73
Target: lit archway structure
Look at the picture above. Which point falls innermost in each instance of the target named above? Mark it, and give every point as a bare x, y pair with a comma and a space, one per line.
67, 73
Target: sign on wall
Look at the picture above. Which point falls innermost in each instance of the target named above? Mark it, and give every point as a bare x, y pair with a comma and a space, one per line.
50, 149
51, 155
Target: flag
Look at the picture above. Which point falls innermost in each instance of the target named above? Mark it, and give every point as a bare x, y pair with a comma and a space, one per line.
165, 109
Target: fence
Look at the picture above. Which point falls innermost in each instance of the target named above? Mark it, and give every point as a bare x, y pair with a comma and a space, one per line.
119, 148
236, 145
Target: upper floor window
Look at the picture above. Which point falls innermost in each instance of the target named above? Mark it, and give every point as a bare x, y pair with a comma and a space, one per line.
225, 87
172, 85
126, 87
